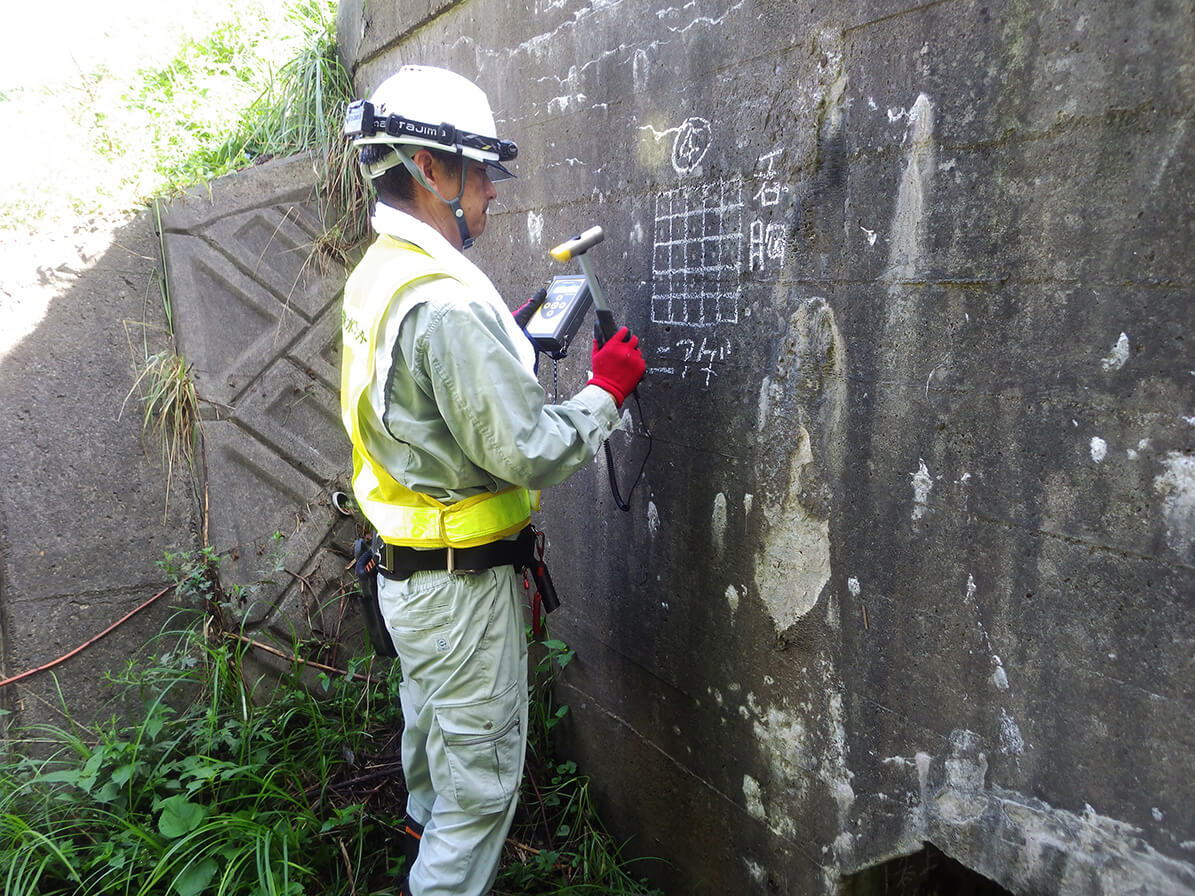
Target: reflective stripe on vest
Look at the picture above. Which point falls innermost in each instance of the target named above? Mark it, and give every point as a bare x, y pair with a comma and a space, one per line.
400, 515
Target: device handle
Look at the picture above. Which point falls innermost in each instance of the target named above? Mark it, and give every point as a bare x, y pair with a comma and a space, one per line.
578, 245
604, 327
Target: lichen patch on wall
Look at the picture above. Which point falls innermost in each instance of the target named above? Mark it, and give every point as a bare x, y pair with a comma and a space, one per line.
1118, 356
792, 563
718, 522
535, 227
732, 599
910, 218
923, 483
653, 518
805, 752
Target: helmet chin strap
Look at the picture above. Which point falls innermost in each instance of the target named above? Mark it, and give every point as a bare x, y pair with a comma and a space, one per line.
458, 213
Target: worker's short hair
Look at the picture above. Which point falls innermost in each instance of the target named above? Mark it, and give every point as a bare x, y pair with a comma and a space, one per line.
396, 182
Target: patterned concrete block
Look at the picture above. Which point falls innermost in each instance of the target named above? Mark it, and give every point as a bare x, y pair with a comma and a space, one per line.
229, 326
256, 313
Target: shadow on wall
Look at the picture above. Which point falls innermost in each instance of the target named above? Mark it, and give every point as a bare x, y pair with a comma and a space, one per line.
929, 872
84, 515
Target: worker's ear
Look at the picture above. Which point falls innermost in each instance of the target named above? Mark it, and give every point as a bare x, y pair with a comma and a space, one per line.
428, 165
439, 174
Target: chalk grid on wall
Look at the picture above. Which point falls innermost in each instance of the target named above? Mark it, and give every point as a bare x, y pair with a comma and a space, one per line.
698, 254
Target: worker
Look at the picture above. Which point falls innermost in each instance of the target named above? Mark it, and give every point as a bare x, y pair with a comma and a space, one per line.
452, 435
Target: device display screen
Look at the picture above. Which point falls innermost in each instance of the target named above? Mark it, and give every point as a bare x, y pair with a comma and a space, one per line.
556, 322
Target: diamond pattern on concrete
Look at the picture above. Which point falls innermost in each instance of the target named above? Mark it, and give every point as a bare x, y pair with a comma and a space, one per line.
256, 311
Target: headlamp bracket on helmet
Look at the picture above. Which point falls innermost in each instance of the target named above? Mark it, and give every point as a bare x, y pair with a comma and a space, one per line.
361, 120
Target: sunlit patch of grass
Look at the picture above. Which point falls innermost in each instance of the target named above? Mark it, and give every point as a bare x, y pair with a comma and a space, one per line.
265, 81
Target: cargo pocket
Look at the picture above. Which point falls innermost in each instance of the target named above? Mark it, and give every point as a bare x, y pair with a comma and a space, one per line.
484, 745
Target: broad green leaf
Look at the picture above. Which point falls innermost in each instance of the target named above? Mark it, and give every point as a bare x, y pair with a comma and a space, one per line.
194, 879
180, 816
154, 724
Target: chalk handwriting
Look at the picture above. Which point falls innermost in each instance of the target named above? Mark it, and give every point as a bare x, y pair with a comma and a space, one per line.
704, 233
767, 242
767, 238
770, 190
691, 144
701, 356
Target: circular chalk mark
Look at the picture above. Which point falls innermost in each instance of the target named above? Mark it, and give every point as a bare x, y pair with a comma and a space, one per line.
692, 143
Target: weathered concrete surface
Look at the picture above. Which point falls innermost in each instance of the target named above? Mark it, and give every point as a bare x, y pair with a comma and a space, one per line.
84, 515
914, 553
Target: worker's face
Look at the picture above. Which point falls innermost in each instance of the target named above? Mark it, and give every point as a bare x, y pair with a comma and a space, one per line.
475, 196
475, 201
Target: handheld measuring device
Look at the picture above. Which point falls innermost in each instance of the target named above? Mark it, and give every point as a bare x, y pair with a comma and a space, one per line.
557, 321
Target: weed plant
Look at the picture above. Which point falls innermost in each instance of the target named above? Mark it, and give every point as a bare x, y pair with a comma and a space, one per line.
218, 788
169, 405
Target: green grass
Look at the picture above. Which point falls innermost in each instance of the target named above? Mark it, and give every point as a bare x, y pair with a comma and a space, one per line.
169, 407
217, 789
298, 107
256, 85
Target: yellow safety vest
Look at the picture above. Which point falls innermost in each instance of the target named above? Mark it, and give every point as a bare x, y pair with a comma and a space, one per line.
400, 515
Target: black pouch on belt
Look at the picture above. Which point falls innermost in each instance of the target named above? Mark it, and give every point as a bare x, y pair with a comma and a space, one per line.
543, 584
366, 566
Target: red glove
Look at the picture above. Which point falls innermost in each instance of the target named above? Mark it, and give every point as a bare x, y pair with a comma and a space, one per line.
618, 366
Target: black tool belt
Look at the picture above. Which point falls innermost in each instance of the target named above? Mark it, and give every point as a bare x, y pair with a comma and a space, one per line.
400, 562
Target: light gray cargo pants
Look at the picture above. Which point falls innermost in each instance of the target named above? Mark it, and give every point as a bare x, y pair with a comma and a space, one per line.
463, 649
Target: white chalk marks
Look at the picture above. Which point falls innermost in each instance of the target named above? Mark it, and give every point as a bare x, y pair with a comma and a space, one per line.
692, 143
698, 255
704, 235
768, 239
707, 235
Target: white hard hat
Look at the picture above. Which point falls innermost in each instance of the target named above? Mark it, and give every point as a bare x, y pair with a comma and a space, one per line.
420, 105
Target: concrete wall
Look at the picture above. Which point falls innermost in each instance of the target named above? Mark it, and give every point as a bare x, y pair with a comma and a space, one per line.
914, 553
